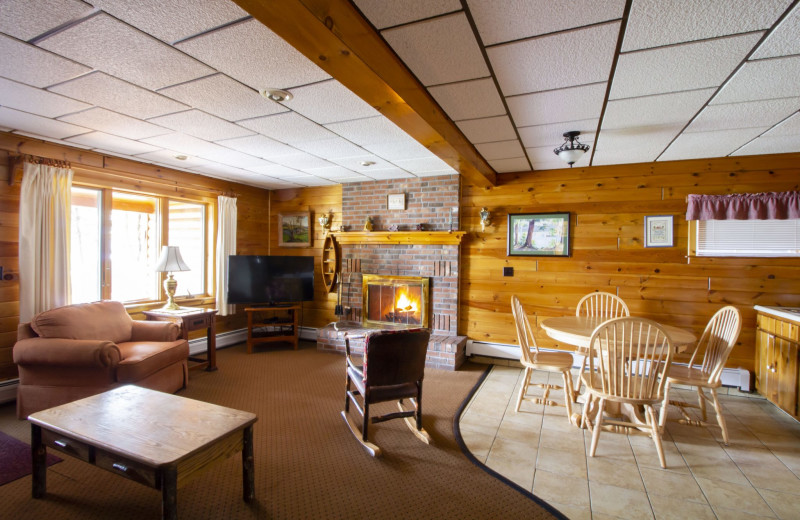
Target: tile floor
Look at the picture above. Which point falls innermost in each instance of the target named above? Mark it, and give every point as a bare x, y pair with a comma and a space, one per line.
756, 476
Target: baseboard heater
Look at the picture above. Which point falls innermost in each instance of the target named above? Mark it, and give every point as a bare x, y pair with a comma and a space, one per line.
733, 377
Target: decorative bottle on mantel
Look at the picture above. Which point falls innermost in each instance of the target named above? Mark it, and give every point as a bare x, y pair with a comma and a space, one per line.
368, 224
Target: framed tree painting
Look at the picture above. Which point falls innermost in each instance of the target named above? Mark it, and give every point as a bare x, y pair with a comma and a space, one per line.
294, 229
538, 234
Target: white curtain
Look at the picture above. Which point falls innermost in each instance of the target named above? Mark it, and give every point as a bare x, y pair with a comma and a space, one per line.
44, 229
226, 245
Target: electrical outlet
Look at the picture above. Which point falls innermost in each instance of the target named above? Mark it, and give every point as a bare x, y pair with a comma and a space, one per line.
508, 271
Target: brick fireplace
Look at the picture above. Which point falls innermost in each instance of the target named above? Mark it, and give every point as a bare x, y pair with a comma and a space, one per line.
432, 255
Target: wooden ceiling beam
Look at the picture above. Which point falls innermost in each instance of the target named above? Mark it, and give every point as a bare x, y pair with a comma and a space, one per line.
337, 38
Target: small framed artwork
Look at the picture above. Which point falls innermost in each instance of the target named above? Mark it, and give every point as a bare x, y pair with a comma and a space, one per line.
294, 229
396, 201
538, 234
658, 231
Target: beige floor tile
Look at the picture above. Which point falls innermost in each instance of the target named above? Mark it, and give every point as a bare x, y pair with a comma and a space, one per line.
573, 512
647, 455
614, 473
519, 432
772, 475
672, 508
712, 468
678, 486
737, 514
619, 502
560, 489
569, 440
518, 470
531, 419
730, 496
786, 506
477, 443
476, 422
568, 463
513, 450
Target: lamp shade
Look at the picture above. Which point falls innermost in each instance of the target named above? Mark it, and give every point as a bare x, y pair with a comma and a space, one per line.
570, 156
171, 261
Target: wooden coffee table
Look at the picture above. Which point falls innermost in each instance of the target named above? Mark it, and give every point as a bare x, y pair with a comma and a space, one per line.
157, 439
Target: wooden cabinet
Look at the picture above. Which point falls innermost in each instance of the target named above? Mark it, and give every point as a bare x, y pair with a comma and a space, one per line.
272, 324
777, 342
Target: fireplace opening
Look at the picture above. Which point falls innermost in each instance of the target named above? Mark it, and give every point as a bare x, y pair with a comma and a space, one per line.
394, 300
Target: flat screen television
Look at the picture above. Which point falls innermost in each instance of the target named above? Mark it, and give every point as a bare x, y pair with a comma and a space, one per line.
270, 279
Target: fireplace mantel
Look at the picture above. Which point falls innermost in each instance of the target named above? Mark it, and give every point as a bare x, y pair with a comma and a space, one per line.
400, 237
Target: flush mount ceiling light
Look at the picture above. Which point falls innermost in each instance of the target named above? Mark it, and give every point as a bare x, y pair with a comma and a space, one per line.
181, 157
572, 149
276, 95
367, 163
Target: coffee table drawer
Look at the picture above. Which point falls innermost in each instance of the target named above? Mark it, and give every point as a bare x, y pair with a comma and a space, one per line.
67, 445
127, 468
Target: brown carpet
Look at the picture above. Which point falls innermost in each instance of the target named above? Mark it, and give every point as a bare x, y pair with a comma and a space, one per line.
15, 459
307, 464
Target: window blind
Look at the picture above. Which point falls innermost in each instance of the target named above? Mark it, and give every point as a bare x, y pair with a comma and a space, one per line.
748, 238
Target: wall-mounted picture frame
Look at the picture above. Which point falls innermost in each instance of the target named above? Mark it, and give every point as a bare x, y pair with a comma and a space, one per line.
294, 229
538, 234
658, 231
396, 201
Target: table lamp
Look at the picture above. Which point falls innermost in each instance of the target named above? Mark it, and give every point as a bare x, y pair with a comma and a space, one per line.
170, 262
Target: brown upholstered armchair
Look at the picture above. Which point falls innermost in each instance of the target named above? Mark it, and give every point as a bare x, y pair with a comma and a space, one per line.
392, 369
75, 351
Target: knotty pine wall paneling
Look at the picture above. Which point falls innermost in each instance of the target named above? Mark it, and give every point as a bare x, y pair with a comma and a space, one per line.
318, 201
608, 205
253, 220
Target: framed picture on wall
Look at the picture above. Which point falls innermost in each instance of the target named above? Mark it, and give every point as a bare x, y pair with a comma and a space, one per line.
538, 234
658, 231
396, 201
294, 229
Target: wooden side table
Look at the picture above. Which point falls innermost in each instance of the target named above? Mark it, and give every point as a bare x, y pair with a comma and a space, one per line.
191, 318
283, 318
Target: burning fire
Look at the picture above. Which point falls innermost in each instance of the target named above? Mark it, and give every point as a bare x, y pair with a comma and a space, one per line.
405, 304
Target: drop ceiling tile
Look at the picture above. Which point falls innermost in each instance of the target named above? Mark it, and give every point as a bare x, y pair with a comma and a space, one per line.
330, 149
354, 164
25, 20
49, 139
653, 23
16, 58
38, 125
505, 20
435, 173
517, 164
288, 128
439, 50
386, 14
116, 48
391, 173
422, 166
173, 20
227, 172
762, 79
625, 146
394, 150
784, 40
699, 145
329, 102
119, 96
185, 144
556, 106
259, 146
314, 181
469, 99
553, 135
680, 67
501, 150
276, 170
202, 125
230, 157
301, 161
542, 155
751, 114
767, 145
368, 131
335, 173
677, 107
254, 55
116, 124
100, 140
167, 157
36, 101
568, 59
791, 126
487, 129
224, 97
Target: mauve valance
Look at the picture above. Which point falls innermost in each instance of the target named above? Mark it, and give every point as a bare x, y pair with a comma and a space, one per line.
744, 206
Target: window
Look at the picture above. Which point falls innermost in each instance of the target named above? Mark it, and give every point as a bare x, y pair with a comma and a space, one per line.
748, 238
117, 238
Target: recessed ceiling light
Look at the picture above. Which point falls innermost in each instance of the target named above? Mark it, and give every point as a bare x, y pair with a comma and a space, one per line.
276, 95
367, 163
181, 157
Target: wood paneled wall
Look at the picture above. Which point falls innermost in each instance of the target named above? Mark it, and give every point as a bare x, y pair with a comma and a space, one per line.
317, 201
253, 227
608, 205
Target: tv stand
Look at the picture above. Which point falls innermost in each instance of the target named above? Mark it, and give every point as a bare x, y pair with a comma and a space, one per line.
272, 323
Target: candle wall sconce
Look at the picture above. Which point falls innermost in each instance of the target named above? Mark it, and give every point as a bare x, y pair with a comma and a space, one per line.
486, 218
325, 221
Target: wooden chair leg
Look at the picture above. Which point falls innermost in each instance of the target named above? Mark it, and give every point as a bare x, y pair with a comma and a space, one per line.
577, 389
655, 434
526, 379
720, 418
598, 425
662, 416
365, 427
701, 398
568, 393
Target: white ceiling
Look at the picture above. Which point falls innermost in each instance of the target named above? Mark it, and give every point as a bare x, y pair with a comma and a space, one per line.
153, 80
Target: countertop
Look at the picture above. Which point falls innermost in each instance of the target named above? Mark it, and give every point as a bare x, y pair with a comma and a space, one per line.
788, 313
